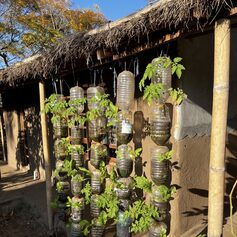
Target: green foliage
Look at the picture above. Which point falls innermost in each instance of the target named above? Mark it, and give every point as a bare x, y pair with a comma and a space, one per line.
109, 204
141, 215
163, 232
177, 95
67, 167
84, 170
143, 183
153, 91
111, 114
73, 203
28, 27
132, 154
76, 148
76, 103
59, 186
77, 178
166, 156
158, 64
103, 171
177, 67
103, 104
57, 106
165, 193
76, 119
85, 227
87, 191
113, 176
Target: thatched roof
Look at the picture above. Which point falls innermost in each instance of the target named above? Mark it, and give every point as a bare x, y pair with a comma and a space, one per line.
165, 14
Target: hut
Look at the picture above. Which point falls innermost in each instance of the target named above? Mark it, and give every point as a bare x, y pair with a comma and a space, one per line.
188, 29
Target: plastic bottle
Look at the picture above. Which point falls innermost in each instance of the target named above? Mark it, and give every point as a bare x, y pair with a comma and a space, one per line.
160, 124
77, 92
93, 92
125, 90
124, 127
163, 75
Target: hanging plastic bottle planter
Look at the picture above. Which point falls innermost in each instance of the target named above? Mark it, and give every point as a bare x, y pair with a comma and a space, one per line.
77, 155
124, 163
76, 185
94, 210
93, 92
124, 127
123, 225
160, 168
98, 129
97, 184
63, 190
157, 229
60, 150
160, 124
60, 129
124, 188
97, 229
77, 93
163, 74
125, 90
76, 230
76, 135
99, 154
77, 208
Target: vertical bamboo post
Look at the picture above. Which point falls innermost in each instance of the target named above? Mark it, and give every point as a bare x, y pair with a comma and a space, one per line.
2, 139
44, 128
219, 123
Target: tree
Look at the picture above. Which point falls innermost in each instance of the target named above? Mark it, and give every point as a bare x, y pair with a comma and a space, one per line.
30, 26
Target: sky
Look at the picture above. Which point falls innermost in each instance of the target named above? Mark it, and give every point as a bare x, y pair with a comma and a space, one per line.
112, 9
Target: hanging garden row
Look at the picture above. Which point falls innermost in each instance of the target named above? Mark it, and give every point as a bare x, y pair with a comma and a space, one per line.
109, 193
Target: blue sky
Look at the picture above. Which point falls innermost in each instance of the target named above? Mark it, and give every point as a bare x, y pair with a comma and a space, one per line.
112, 9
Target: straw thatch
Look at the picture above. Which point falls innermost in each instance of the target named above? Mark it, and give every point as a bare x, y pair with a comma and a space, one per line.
165, 14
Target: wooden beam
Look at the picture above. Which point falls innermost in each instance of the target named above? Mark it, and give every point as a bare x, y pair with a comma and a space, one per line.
233, 11
48, 171
219, 123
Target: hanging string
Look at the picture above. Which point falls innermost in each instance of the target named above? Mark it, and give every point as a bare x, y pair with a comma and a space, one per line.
61, 86
73, 74
67, 84
94, 81
101, 76
131, 62
55, 86
136, 67
125, 65
114, 81
90, 75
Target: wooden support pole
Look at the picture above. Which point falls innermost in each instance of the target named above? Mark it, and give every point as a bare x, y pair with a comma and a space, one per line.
219, 123
2, 138
48, 172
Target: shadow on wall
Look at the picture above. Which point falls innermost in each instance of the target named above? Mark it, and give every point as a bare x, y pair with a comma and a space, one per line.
34, 139
231, 177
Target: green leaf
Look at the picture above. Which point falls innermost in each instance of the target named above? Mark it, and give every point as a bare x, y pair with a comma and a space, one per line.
177, 59
178, 72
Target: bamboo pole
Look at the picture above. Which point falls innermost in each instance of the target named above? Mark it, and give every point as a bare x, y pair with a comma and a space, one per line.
219, 123
2, 139
44, 128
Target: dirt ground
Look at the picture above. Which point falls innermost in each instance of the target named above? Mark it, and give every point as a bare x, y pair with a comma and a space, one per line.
22, 204
21, 222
